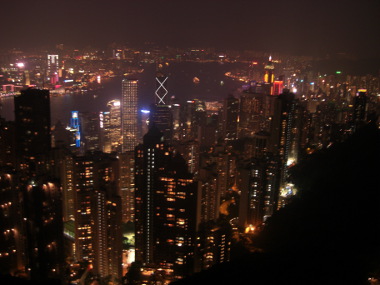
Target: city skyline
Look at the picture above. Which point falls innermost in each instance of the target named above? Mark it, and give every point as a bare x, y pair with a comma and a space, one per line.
144, 166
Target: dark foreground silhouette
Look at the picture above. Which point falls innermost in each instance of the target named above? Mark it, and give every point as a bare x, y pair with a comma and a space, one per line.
329, 233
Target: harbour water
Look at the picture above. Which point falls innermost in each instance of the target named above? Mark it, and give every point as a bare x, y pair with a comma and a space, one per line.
213, 85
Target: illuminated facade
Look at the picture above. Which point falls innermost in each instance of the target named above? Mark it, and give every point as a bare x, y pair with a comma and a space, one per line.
129, 113
213, 243
165, 203
161, 91
269, 75
53, 68
127, 185
98, 213
114, 108
284, 133
259, 185
269, 71
160, 112
278, 86
75, 127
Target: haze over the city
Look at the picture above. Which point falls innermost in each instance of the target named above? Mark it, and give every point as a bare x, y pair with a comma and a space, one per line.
294, 26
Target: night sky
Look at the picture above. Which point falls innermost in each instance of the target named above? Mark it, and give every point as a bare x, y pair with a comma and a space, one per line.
294, 26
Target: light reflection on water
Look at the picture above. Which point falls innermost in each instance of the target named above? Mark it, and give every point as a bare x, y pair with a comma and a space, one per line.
180, 84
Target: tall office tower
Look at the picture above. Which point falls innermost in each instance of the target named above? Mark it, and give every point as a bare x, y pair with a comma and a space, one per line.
105, 131
230, 118
160, 112
90, 125
165, 203
251, 113
258, 183
127, 185
129, 120
75, 128
161, 117
114, 108
269, 74
278, 86
269, 71
32, 119
98, 213
360, 107
12, 260
194, 117
53, 68
161, 92
43, 226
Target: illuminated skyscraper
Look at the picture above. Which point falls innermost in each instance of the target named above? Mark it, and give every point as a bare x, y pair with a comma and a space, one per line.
160, 112
115, 123
98, 213
111, 127
278, 86
129, 121
165, 203
258, 185
269, 71
75, 126
161, 91
127, 185
52, 68
283, 134
53, 63
269, 74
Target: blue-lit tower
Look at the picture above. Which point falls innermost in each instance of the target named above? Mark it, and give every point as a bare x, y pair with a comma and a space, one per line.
75, 127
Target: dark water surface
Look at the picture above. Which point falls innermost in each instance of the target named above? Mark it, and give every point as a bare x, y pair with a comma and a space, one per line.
212, 86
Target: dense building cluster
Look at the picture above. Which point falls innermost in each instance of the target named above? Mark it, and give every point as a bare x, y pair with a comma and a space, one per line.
192, 177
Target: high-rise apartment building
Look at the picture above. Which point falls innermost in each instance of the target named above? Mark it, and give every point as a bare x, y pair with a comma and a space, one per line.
283, 133
32, 122
127, 185
129, 119
230, 118
98, 213
12, 247
258, 185
90, 130
43, 228
165, 203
